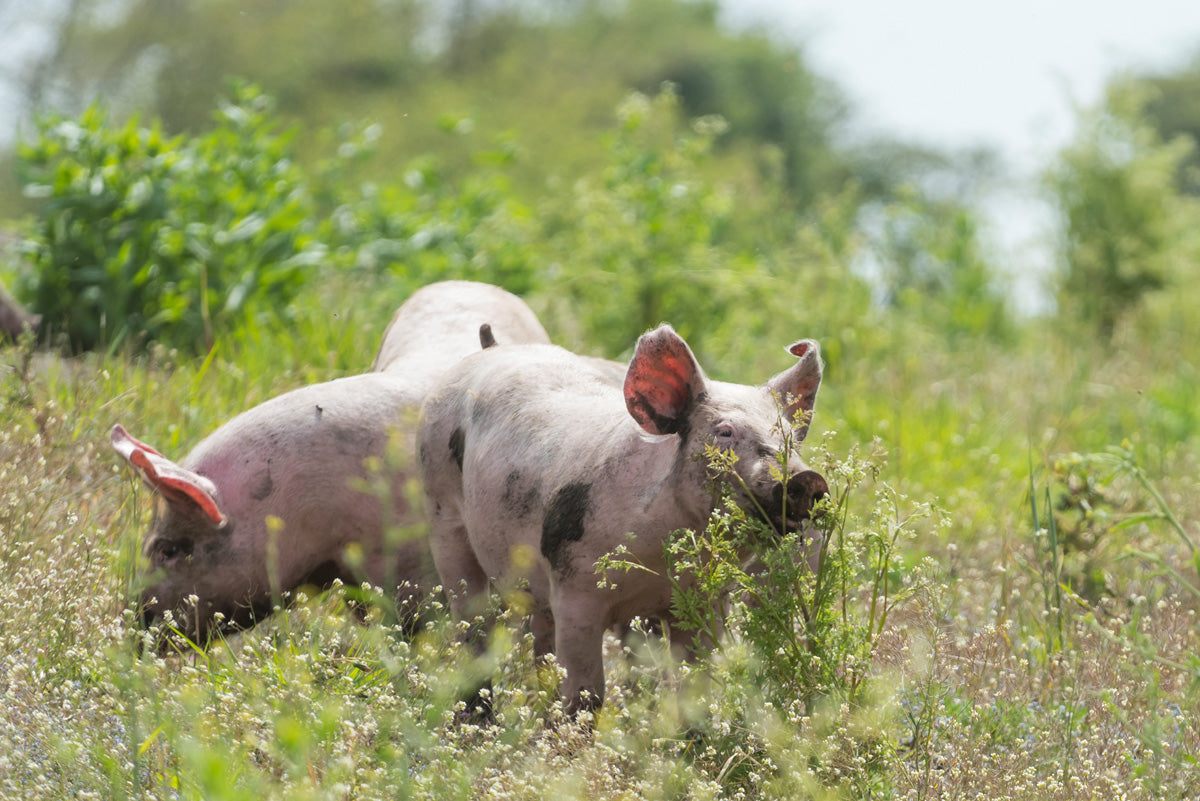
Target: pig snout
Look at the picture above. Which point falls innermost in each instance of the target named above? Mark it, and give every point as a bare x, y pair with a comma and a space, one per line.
792, 503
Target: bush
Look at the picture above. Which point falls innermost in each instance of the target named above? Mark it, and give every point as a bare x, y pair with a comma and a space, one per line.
648, 230
1124, 224
148, 238
432, 228
789, 641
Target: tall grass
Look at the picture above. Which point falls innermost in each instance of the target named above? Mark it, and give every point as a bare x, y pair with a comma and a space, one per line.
963, 693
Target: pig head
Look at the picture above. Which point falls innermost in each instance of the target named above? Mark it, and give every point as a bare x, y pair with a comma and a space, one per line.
537, 462
304, 488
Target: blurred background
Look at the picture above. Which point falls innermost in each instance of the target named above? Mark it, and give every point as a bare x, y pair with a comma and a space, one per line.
179, 172
915, 117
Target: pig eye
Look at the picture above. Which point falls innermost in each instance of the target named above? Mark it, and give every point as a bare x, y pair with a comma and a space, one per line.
173, 549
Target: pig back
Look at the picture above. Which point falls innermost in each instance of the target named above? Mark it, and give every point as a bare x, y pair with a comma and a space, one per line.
440, 324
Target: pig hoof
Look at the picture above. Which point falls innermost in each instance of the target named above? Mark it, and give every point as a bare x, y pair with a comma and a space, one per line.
584, 701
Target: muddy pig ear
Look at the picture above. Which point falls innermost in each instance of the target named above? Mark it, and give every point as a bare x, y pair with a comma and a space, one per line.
663, 382
178, 486
797, 387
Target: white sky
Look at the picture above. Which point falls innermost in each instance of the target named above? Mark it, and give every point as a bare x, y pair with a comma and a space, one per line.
962, 73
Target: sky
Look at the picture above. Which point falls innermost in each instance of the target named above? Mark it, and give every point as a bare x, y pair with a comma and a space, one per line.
965, 73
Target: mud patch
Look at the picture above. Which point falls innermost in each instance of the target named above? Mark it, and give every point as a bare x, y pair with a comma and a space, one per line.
520, 495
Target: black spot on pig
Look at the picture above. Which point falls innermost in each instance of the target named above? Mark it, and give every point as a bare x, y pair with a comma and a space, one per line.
264, 486
564, 522
520, 496
458, 446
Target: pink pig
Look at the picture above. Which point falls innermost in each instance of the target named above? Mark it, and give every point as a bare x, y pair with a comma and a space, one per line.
537, 462
274, 499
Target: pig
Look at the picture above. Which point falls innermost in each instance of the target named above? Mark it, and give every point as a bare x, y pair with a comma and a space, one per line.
537, 462
276, 498
444, 320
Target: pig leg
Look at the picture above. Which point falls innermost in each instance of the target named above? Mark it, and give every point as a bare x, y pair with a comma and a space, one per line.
463, 578
579, 642
466, 584
541, 623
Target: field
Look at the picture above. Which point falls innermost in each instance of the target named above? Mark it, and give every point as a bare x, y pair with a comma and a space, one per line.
1006, 609
1022, 658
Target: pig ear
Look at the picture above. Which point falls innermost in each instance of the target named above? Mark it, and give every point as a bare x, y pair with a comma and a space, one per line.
663, 382
797, 387
178, 486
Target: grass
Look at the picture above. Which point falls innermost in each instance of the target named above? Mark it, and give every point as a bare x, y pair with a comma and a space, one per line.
1050, 649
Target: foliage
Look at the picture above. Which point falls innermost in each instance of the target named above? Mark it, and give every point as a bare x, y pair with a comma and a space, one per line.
931, 258
1122, 216
1036, 640
433, 227
649, 231
148, 238
1172, 109
1110, 492
806, 619
545, 74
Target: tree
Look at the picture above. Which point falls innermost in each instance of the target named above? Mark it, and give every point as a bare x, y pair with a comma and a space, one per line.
1121, 214
1172, 108
541, 74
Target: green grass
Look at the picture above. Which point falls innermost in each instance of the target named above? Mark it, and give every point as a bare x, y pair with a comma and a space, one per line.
992, 679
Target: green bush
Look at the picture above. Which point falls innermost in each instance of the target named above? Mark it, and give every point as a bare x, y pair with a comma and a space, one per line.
148, 238
648, 230
790, 638
1124, 225
429, 227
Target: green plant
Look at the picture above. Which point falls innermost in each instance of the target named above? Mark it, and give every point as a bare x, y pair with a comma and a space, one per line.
1124, 222
432, 227
932, 258
800, 625
1115, 472
648, 229
142, 237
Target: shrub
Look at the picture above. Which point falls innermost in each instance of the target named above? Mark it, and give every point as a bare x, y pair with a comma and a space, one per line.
1123, 222
790, 642
145, 238
648, 230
